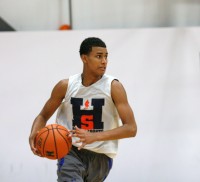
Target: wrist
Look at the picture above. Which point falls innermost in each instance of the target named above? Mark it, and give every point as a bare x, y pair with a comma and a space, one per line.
98, 136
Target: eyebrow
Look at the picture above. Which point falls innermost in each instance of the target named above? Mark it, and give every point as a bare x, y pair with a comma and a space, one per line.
101, 53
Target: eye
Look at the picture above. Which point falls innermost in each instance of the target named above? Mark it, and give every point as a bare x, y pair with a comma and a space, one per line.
98, 56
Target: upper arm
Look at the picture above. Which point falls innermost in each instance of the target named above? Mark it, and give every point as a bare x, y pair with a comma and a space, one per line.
120, 100
56, 98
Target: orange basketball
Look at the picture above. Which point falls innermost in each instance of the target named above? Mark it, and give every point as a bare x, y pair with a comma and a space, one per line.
53, 141
65, 27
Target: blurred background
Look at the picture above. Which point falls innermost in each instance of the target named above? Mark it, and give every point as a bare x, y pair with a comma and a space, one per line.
32, 15
154, 50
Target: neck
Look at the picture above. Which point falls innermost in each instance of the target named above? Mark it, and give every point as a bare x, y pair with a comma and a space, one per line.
88, 80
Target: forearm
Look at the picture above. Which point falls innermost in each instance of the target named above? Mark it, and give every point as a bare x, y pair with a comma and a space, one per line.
38, 124
124, 131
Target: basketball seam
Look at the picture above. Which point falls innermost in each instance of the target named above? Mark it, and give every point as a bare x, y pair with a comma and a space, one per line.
45, 141
67, 141
54, 141
42, 132
62, 129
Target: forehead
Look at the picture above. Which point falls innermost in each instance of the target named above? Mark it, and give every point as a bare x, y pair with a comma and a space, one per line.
99, 50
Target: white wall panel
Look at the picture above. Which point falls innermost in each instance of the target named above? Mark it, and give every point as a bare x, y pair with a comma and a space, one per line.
160, 71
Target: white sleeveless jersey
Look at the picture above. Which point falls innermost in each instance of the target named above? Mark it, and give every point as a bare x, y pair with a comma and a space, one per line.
90, 108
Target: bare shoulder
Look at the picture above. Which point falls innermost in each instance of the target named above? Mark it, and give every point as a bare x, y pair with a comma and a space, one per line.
118, 92
60, 88
63, 83
116, 84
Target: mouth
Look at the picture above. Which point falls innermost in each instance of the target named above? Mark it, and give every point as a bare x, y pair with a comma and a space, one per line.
102, 68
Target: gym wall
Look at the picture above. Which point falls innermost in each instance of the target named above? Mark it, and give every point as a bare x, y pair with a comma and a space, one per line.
37, 15
159, 69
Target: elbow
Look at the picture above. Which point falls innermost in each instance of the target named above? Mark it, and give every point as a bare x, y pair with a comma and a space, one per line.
133, 131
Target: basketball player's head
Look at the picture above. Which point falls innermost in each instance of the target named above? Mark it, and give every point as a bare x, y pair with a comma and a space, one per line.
88, 43
94, 55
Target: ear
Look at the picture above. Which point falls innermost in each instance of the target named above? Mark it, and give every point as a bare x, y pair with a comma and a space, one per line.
84, 58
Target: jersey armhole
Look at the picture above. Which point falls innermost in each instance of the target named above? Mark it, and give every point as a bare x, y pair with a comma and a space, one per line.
114, 79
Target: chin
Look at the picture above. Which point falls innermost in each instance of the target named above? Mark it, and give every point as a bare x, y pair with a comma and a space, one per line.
101, 74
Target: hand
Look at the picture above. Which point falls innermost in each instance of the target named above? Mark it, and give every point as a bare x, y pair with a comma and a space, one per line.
32, 144
85, 137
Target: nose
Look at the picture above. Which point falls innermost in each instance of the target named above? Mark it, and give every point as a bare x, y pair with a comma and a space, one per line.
104, 60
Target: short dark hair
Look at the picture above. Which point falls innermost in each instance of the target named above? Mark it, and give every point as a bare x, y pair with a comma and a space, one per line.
88, 43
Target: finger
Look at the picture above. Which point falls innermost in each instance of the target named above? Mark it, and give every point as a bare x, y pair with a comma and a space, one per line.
69, 134
32, 145
78, 141
77, 129
79, 135
82, 146
36, 152
72, 131
34, 149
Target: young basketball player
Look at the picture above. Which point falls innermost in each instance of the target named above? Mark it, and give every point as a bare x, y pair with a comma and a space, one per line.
95, 108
